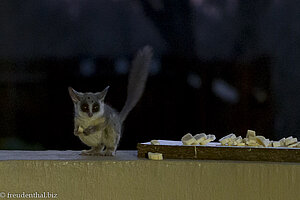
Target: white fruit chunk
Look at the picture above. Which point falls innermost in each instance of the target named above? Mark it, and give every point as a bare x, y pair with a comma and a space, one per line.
155, 142
294, 145
282, 142
209, 139
80, 129
188, 139
227, 139
200, 137
250, 134
155, 156
262, 141
290, 140
276, 144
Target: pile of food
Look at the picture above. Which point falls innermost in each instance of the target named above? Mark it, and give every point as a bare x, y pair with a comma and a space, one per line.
257, 141
201, 139
251, 140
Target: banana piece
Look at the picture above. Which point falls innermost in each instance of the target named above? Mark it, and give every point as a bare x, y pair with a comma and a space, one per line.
230, 143
252, 143
200, 137
80, 129
267, 143
294, 145
155, 156
290, 140
209, 139
276, 144
236, 141
282, 142
251, 138
227, 139
155, 142
258, 141
245, 140
262, 141
188, 139
239, 139
250, 134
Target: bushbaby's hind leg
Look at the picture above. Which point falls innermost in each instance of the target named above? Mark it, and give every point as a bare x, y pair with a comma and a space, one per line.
111, 148
94, 151
110, 151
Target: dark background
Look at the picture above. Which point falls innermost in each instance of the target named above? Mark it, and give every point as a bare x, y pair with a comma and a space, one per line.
220, 66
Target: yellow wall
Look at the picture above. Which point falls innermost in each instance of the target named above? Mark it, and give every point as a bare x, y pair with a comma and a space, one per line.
145, 179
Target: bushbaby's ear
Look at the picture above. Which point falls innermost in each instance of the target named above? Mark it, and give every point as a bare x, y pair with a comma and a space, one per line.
75, 96
101, 95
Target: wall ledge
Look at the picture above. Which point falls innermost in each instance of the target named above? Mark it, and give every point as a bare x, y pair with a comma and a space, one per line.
62, 155
72, 176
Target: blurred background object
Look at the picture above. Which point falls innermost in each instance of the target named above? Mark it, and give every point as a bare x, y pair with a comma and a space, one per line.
220, 66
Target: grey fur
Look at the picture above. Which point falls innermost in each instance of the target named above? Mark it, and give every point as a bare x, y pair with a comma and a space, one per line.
102, 129
137, 80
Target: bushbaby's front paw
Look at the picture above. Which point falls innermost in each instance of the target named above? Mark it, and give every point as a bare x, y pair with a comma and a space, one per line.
78, 131
89, 130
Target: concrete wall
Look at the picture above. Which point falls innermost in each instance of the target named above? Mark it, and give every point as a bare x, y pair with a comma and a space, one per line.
125, 177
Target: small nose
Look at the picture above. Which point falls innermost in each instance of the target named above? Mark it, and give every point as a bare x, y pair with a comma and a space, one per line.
90, 114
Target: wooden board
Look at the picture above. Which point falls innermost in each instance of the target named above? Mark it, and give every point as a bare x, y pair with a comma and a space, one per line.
214, 151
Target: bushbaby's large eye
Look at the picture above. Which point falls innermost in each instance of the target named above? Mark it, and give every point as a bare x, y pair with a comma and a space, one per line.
84, 107
95, 107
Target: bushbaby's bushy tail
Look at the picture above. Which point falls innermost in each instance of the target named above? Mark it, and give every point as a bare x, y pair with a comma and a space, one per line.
137, 80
